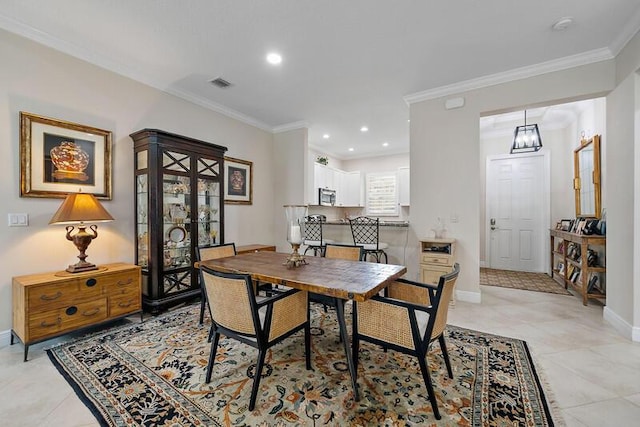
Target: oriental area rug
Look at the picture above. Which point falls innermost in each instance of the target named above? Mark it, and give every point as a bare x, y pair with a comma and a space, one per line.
152, 374
538, 282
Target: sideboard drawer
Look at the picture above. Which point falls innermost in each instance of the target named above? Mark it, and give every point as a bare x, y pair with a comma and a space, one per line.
61, 294
67, 318
126, 303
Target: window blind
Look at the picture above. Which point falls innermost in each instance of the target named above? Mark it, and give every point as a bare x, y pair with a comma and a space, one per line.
382, 194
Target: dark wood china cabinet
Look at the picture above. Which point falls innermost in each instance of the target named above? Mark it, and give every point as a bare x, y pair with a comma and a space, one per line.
178, 206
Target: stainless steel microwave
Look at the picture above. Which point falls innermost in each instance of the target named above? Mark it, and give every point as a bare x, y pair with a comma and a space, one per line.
326, 197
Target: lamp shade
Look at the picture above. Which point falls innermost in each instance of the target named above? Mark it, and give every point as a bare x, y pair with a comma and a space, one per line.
80, 207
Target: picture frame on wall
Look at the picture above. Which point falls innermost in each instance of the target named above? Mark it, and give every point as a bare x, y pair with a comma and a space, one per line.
59, 157
238, 181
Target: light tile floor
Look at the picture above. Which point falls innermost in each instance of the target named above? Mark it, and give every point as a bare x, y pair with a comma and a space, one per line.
592, 372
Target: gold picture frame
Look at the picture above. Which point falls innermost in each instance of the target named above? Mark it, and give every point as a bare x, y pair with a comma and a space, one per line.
238, 181
59, 157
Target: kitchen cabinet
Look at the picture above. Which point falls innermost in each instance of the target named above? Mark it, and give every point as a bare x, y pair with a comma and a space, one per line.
348, 185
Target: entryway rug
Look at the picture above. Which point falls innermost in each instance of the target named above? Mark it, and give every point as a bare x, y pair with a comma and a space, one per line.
152, 374
539, 282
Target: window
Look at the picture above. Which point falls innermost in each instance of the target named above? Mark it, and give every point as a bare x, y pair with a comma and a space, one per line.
382, 194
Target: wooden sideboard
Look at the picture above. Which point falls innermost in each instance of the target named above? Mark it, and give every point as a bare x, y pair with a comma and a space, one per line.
254, 248
576, 271
47, 305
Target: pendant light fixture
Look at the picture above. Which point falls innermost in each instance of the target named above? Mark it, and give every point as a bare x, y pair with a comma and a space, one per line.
526, 139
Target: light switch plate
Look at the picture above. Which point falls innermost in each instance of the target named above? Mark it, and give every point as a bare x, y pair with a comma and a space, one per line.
18, 220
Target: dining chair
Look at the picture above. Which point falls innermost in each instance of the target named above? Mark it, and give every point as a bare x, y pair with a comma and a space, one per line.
211, 252
337, 251
313, 234
366, 232
408, 327
260, 322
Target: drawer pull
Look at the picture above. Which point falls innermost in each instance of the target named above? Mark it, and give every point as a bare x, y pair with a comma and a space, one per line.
44, 324
91, 312
51, 297
71, 310
91, 282
121, 304
125, 283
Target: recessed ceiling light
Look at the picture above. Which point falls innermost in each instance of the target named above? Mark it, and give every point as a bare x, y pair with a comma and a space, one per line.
562, 24
274, 58
351, 149
326, 136
385, 144
364, 129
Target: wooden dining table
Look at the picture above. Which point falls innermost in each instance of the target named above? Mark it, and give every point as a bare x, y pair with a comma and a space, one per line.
339, 279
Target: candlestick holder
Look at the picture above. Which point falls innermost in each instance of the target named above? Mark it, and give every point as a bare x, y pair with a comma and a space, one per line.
295, 233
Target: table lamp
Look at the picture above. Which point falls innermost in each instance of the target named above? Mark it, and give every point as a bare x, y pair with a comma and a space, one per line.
76, 209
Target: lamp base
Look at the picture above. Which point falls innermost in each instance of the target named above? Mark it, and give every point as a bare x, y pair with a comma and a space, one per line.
81, 267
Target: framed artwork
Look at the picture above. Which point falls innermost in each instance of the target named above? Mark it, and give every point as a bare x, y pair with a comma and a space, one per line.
238, 181
58, 158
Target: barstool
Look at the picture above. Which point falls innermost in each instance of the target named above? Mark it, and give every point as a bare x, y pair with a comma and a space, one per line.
366, 233
313, 234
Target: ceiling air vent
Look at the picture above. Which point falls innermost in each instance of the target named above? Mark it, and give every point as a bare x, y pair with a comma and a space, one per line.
220, 82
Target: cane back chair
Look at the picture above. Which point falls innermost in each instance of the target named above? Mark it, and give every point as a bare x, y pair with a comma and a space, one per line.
408, 327
260, 322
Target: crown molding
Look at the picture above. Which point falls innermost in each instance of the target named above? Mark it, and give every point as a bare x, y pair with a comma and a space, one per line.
290, 126
218, 108
585, 58
90, 57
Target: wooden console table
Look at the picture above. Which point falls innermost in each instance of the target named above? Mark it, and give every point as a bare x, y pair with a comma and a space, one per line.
51, 304
254, 248
560, 241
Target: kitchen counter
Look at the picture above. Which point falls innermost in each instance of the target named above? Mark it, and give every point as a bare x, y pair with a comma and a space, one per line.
382, 223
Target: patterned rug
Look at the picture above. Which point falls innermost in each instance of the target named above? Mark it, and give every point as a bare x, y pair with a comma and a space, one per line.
539, 282
152, 374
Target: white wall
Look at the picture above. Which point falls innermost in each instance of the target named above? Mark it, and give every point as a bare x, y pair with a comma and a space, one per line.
42, 81
291, 163
445, 151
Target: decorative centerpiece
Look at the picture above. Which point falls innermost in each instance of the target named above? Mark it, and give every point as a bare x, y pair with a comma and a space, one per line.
295, 233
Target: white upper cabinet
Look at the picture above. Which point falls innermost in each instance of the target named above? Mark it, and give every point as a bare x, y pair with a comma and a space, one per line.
403, 186
348, 185
353, 189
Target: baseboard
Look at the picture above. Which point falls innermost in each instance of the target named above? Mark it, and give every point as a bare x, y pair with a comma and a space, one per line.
468, 296
5, 338
622, 326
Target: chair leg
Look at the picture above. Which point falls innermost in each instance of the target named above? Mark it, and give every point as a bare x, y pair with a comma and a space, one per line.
305, 251
427, 382
445, 354
212, 356
203, 302
307, 345
355, 348
210, 334
386, 260
256, 379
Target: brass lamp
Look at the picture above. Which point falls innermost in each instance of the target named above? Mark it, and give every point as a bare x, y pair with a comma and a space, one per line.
76, 209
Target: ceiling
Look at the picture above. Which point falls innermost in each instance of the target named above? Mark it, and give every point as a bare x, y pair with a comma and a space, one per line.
345, 64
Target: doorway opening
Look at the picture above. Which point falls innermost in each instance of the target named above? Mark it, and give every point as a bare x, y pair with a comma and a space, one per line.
517, 193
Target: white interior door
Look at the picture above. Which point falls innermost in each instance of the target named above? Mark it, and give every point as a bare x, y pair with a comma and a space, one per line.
518, 211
